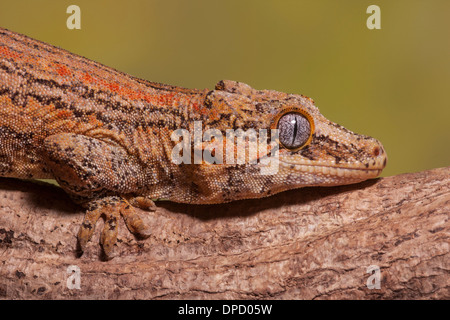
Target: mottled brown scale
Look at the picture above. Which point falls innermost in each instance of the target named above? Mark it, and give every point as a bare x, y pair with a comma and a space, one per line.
105, 136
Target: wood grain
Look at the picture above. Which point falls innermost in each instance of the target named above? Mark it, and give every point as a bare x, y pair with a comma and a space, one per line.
311, 243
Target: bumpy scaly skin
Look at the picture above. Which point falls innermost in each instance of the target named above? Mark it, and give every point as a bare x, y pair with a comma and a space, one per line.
105, 137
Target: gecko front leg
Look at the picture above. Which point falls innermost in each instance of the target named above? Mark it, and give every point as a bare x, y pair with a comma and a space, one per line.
102, 177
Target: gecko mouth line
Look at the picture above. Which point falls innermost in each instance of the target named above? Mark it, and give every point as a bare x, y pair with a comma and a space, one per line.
335, 171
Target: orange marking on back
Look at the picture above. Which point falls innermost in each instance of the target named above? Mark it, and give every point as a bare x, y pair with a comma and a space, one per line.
5, 51
113, 87
86, 77
63, 71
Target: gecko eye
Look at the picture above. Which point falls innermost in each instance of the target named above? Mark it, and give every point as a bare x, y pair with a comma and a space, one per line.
295, 128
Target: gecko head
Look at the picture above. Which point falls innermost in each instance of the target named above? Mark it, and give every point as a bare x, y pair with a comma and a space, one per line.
311, 149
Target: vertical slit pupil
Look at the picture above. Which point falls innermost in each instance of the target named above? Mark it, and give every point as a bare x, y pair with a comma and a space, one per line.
295, 129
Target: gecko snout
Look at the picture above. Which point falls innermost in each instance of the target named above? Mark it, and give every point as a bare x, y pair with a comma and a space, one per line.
380, 155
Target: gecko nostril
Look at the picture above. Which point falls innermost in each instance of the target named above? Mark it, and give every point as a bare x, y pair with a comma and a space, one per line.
376, 151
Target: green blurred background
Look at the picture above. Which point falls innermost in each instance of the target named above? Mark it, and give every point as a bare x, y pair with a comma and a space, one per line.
392, 84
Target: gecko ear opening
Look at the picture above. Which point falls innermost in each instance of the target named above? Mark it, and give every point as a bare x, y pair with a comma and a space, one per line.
234, 87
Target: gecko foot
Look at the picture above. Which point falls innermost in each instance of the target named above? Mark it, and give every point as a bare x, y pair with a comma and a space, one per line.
110, 208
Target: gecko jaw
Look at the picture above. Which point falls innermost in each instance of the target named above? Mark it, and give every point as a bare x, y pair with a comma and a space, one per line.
342, 171
339, 172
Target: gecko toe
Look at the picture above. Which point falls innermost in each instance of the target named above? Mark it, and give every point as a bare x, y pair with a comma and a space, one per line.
134, 222
110, 231
87, 228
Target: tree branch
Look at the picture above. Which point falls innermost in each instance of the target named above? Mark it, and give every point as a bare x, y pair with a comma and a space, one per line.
311, 243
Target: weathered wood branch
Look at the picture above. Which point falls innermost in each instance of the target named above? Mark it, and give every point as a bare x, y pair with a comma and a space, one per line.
311, 243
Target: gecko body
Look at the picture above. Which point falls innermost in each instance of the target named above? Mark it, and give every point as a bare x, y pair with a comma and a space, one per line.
106, 137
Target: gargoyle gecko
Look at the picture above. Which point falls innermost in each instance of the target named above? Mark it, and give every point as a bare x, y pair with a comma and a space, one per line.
106, 137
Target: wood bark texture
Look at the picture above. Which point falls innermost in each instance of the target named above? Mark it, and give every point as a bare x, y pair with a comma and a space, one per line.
310, 243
